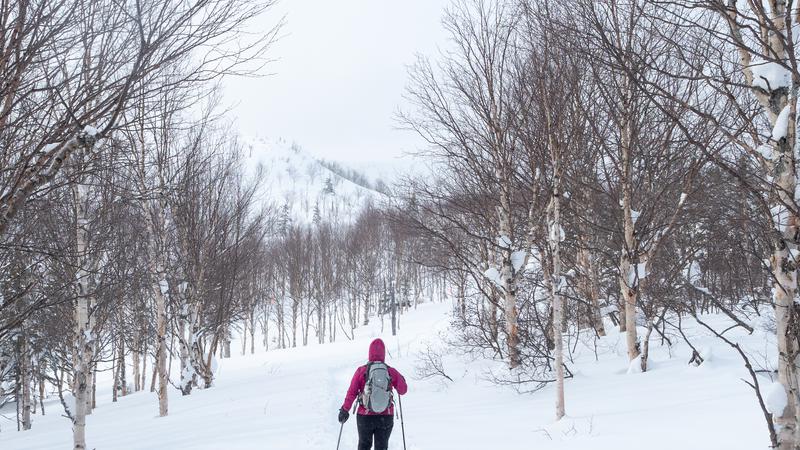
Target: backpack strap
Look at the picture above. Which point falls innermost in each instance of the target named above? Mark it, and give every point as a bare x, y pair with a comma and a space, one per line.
366, 378
366, 371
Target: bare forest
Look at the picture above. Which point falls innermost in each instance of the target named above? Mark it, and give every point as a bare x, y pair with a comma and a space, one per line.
593, 164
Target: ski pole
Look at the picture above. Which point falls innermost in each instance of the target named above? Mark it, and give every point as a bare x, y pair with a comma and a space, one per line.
402, 426
338, 441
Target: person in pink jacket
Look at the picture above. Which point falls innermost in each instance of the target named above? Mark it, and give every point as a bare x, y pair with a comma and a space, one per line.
372, 425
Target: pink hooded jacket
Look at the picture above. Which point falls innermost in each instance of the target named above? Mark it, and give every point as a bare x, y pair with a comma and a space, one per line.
377, 352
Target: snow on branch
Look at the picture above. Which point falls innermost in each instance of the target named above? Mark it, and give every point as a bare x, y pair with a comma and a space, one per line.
770, 76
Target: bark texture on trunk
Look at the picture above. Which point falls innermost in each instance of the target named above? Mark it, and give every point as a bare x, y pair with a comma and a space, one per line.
160, 290
508, 277
556, 283
628, 267
591, 289
82, 377
25, 378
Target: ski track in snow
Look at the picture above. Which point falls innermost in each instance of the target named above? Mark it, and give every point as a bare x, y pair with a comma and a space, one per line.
288, 399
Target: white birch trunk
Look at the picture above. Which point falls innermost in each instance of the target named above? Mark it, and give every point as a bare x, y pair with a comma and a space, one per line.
555, 237
84, 344
591, 289
508, 277
187, 338
183, 352
25, 379
628, 284
135, 358
160, 292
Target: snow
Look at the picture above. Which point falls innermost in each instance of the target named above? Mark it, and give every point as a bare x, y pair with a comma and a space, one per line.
557, 233
295, 177
637, 272
91, 131
770, 76
494, 276
187, 372
694, 276
781, 124
766, 151
780, 216
635, 366
518, 259
610, 308
683, 198
163, 285
503, 241
775, 400
702, 289
288, 399
693, 273
562, 285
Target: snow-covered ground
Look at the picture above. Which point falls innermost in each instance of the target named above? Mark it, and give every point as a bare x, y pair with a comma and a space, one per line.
288, 399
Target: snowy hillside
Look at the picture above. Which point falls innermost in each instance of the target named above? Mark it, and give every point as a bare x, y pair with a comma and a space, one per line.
287, 399
298, 182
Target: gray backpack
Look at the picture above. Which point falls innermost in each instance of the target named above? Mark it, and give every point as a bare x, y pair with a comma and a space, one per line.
377, 394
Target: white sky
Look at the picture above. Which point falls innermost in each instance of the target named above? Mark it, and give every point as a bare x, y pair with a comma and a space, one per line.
339, 76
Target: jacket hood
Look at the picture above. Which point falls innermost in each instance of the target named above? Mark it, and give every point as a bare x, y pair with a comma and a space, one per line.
377, 350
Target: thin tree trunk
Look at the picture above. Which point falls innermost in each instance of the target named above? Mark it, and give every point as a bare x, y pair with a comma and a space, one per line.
41, 390
244, 337
121, 367
93, 402
253, 332
115, 384
629, 274
508, 278
136, 379
591, 289
154, 376
160, 290
646, 346
556, 235
25, 379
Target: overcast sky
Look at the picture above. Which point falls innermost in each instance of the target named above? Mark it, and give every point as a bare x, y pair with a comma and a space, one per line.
339, 76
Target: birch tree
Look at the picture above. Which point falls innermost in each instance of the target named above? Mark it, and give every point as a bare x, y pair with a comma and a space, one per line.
467, 115
648, 165
751, 62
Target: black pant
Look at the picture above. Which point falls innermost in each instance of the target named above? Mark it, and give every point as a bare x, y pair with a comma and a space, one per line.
378, 426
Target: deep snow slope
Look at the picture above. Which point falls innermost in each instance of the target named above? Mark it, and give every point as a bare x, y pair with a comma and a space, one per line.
288, 399
295, 179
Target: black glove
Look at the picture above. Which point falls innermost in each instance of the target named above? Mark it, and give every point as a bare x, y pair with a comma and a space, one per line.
343, 415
